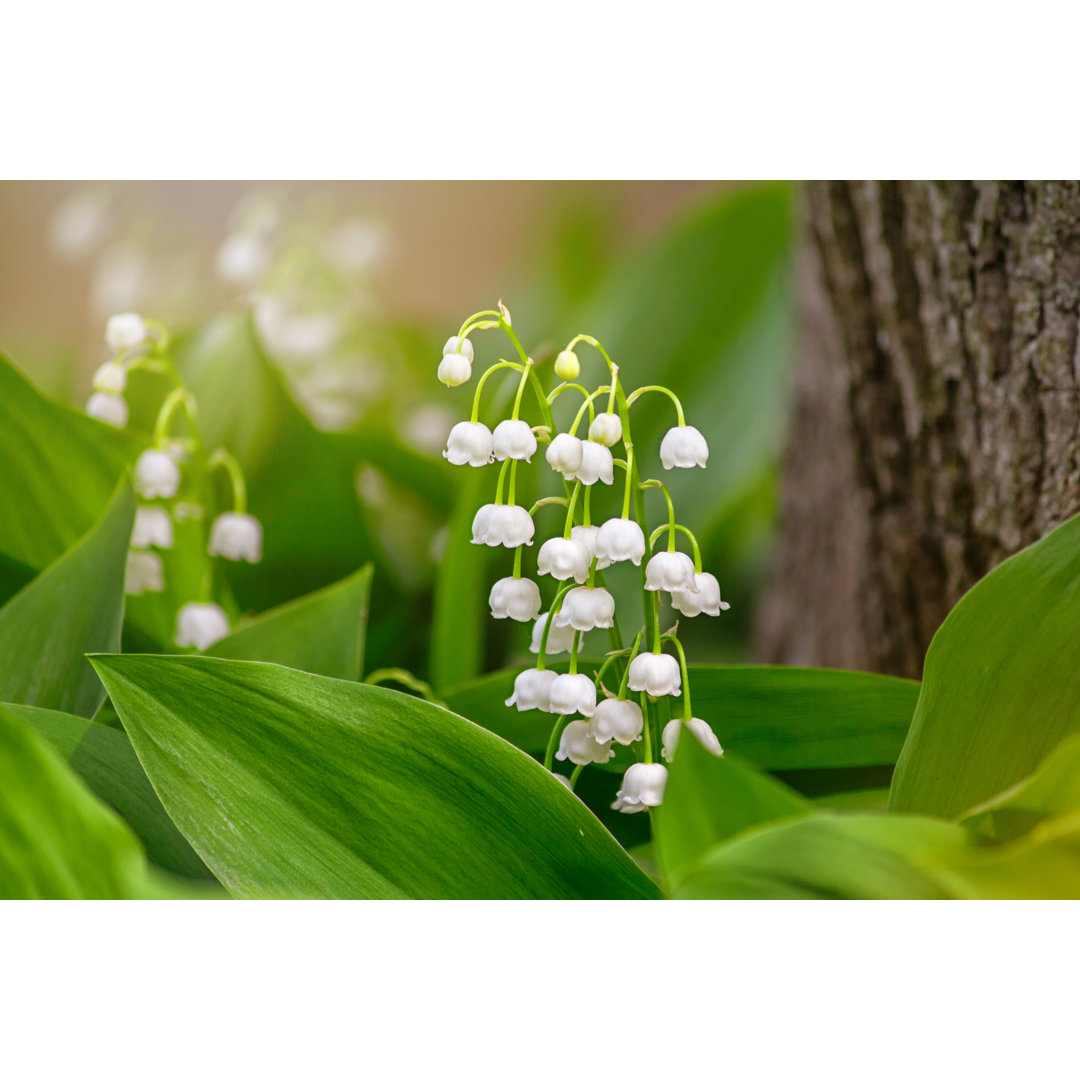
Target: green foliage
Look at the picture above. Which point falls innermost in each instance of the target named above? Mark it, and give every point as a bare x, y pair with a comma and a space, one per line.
290, 784
1001, 686
73, 607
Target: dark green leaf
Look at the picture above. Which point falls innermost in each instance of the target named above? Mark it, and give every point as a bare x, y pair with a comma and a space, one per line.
74, 607
292, 784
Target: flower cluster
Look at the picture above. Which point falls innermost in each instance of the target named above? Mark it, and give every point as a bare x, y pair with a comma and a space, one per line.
164, 497
590, 715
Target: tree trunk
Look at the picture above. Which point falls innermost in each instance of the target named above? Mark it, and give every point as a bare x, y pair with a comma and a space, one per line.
937, 416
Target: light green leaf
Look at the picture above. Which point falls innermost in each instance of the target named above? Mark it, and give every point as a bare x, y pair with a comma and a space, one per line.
74, 607
1001, 685
828, 856
59, 470
710, 799
105, 762
56, 840
292, 784
322, 633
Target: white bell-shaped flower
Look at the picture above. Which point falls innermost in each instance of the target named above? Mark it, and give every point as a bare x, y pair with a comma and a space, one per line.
509, 526
466, 349
157, 476
125, 331
454, 369
701, 730
144, 573
586, 609
236, 537
618, 540
606, 429
200, 625
469, 444
532, 690
564, 559
578, 745
596, 464
567, 365
153, 528
618, 720
706, 601
672, 571
586, 534
573, 694
108, 408
643, 786
683, 448
560, 638
514, 439
515, 598
656, 674
564, 454
110, 378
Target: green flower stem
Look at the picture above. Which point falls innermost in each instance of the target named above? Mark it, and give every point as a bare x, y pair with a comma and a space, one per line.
570, 510
657, 647
587, 404
160, 333
517, 560
683, 529
687, 711
626, 674
610, 659
585, 506
562, 388
629, 478
477, 317
670, 507
553, 742
645, 728
589, 340
502, 482
556, 607
548, 500
157, 364
659, 390
513, 482
222, 459
498, 366
521, 389
574, 643
405, 678
176, 400
574, 776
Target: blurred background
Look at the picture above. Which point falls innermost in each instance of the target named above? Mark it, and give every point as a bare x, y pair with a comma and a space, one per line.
310, 319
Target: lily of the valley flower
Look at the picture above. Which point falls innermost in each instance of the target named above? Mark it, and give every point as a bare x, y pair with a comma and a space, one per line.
110, 378
619, 540
454, 369
153, 528
564, 454
200, 625
596, 464
125, 331
619, 720
156, 475
238, 537
144, 573
703, 733
706, 601
606, 429
564, 559
560, 638
508, 526
643, 786
462, 348
656, 674
672, 571
532, 690
515, 598
108, 408
570, 694
587, 608
514, 439
684, 447
578, 745
469, 444
586, 534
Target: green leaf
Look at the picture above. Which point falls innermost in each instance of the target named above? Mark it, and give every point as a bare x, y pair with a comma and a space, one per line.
322, 633
710, 799
74, 607
828, 856
776, 718
292, 784
60, 470
105, 762
56, 840
1001, 685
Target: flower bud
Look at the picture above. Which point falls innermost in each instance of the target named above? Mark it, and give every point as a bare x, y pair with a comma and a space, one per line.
560, 638
705, 601
578, 745
515, 598
153, 528
643, 786
573, 694
454, 370
466, 349
587, 608
618, 720
469, 444
619, 540
108, 408
236, 537
564, 559
144, 573
200, 625
564, 454
606, 429
510, 526
156, 475
683, 448
514, 439
656, 674
532, 690
567, 365
672, 571
125, 331
596, 464
110, 378
701, 730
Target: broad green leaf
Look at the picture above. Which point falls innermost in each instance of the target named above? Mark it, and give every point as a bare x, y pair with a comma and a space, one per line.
73, 607
1053, 790
827, 856
292, 784
60, 469
710, 799
322, 633
105, 762
870, 799
1001, 685
56, 840
776, 718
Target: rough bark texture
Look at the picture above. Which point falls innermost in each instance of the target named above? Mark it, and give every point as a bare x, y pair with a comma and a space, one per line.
937, 416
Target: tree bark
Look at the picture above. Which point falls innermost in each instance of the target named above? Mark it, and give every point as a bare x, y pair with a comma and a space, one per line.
936, 427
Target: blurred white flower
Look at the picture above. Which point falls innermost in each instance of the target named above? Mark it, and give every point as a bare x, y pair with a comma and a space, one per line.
564, 454
153, 528
509, 526
356, 245
125, 331
643, 786
108, 408
683, 448
560, 638
469, 443
532, 690
586, 609
200, 625
121, 281
238, 537
514, 439
110, 378
672, 571
656, 674
78, 225
596, 464
578, 745
515, 598
427, 427
606, 429
618, 720
619, 540
701, 730
156, 475
564, 559
242, 259
705, 601
144, 573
